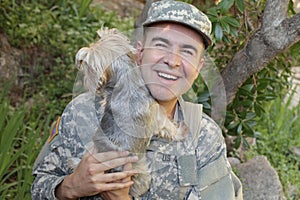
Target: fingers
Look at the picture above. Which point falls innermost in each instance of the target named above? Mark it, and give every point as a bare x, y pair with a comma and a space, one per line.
104, 156
102, 162
116, 186
115, 177
127, 167
117, 162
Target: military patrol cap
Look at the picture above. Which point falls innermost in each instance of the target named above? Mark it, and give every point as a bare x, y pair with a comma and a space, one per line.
183, 13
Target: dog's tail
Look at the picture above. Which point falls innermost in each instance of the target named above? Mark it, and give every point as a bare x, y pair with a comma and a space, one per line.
95, 61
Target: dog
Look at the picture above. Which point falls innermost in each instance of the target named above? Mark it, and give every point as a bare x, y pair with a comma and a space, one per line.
130, 114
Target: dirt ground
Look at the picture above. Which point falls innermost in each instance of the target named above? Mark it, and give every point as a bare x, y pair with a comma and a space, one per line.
124, 8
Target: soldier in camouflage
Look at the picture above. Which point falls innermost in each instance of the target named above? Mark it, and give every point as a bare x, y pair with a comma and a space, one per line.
194, 168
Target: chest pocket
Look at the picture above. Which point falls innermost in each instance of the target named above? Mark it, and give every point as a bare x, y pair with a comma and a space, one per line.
215, 181
164, 182
172, 168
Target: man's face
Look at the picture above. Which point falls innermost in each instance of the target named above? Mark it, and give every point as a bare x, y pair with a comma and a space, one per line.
170, 60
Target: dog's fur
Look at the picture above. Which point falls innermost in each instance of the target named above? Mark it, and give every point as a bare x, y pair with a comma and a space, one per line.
131, 116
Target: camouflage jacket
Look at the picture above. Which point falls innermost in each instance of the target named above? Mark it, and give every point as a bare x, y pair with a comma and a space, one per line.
196, 168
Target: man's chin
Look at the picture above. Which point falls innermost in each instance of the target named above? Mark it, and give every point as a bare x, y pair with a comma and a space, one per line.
164, 97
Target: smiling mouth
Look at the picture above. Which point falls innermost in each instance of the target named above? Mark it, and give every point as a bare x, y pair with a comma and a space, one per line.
167, 76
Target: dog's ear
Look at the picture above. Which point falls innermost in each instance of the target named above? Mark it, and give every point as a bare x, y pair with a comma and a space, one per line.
80, 56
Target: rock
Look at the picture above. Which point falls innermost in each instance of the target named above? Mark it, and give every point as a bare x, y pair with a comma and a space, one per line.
10, 66
297, 6
233, 161
260, 180
9, 60
296, 151
295, 88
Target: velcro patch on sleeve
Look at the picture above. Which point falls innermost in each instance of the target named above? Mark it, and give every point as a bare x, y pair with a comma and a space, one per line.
54, 131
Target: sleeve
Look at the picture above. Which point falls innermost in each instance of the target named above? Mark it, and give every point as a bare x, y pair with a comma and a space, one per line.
59, 157
215, 176
51, 165
49, 171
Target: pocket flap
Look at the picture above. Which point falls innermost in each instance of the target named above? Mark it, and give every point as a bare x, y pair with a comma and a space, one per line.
212, 173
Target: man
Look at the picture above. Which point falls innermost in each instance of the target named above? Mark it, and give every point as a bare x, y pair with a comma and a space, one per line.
170, 54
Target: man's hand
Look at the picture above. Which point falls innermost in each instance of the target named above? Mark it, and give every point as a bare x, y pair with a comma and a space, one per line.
119, 194
89, 178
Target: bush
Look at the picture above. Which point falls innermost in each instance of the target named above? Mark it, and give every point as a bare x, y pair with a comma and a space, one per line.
53, 30
20, 143
50, 33
277, 132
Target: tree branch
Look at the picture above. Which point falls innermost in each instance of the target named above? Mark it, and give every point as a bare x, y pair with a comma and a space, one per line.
275, 12
276, 34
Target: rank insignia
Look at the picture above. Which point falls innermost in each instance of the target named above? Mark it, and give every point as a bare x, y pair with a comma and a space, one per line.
54, 131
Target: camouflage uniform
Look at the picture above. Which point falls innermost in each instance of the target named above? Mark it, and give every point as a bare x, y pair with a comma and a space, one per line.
195, 168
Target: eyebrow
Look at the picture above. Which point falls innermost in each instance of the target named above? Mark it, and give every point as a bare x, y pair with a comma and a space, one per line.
160, 39
185, 46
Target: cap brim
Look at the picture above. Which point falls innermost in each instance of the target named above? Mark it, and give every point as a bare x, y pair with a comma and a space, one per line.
207, 40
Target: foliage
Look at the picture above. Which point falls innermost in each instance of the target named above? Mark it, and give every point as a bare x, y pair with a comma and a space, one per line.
54, 31
277, 133
233, 23
222, 22
20, 142
249, 103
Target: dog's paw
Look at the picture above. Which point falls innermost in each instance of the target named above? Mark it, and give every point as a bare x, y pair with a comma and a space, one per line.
141, 185
142, 180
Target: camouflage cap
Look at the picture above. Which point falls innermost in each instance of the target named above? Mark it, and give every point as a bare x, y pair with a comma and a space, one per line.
180, 12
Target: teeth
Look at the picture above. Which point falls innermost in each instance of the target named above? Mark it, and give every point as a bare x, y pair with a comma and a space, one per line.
167, 76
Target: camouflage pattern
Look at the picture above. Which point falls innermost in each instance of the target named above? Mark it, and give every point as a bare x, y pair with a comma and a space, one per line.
169, 161
180, 12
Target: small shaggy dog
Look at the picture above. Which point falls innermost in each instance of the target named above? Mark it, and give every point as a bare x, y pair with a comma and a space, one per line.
131, 116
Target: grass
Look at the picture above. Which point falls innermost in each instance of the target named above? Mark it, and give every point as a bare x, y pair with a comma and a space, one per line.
20, 143
277, 133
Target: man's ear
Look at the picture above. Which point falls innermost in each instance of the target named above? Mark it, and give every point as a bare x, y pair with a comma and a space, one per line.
200, 65
140, 49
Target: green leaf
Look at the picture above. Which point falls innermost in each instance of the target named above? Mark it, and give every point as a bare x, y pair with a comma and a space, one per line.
248, 130
234, 32
239, 128
248, 87
225, 4
233, 124
250, 115
218, 32
245, 143
240, 5
230, 20
262, 85
226, 39
237, 142
259, 110
206, 105
212, 13
247, 102
225, 25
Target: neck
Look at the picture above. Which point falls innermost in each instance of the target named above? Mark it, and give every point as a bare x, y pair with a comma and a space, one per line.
169, 107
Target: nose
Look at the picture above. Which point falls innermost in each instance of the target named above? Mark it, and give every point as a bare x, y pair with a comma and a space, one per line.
173, 59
